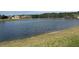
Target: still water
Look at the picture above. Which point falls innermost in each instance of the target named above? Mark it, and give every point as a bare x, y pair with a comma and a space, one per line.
24, 28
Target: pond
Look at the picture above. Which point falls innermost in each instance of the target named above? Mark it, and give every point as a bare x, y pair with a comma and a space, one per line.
24, 28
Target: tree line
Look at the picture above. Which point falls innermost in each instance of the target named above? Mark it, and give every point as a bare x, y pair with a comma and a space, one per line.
50, 15
3, 17
57, 15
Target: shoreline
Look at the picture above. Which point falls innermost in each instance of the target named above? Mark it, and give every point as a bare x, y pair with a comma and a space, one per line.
4, 20
52, 39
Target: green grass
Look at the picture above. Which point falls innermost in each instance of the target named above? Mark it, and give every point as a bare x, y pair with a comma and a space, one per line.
4, 20
63, 38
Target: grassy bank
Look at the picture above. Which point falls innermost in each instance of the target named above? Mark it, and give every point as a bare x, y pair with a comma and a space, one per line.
4, 20
64, 38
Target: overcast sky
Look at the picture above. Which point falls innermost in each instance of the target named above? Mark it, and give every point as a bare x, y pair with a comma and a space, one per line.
22, 12
31, 6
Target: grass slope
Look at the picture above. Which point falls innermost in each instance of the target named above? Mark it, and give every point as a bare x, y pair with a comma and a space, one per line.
64, 38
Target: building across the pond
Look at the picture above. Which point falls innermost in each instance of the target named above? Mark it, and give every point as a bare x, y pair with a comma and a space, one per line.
19, 17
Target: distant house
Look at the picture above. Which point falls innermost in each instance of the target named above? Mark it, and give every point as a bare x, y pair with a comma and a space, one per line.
78, 17
15, 17
24, 17
19, 17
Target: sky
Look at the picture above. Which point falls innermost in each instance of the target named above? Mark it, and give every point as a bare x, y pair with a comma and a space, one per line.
22, 12
31, 6
39, 5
